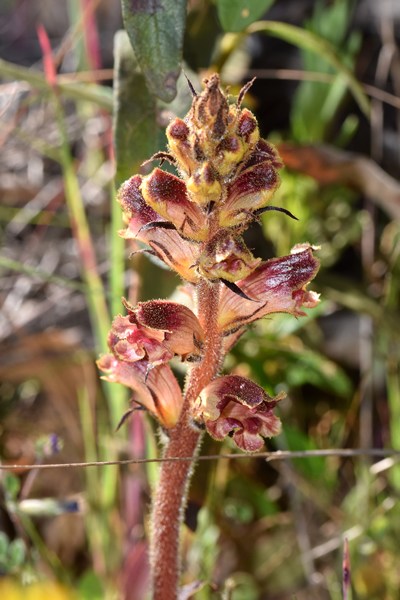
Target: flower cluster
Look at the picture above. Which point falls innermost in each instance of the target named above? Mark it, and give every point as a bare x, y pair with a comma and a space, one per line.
194, 222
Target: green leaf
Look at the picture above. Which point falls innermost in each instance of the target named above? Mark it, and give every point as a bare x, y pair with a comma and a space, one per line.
4, 542
313, 368
97, 94
90, 587
11, 486
235, 15
243, 490
330, 22
155, 29
16, 553
136, 131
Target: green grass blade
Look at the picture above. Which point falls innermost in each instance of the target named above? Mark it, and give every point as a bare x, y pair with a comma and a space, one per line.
97, 94
36, 273
310, 41
307, 41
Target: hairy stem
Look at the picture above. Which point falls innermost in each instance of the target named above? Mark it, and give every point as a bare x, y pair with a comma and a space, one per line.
170, 499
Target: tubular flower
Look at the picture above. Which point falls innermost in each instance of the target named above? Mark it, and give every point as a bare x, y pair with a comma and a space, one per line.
254, 185
155, 331
277, 285
233, 405
194, 222
145, 225
131, 343
179, 327
156, 390
168, 195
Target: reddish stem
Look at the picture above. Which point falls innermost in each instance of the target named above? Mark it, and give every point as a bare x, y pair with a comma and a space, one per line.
170, 499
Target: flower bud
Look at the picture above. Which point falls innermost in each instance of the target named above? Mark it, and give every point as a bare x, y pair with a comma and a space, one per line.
203, 186
247, 127
226, 257
180, 146
209, 112
248, 192
145, 225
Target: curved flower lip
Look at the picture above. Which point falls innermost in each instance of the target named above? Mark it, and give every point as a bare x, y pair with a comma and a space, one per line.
264, 151
131, 343
178, 254
156, 331
234, 405
253, 186
167, 195
133, 205
156, 390
179, 328
277, 285
249, 191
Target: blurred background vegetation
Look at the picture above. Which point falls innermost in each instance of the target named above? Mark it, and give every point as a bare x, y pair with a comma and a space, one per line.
76, 119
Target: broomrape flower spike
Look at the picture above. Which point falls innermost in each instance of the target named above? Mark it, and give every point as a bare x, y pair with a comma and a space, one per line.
194, 222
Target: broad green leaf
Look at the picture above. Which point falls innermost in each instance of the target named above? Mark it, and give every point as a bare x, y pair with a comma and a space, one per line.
236, 15
136, 136
135, 126
155, 29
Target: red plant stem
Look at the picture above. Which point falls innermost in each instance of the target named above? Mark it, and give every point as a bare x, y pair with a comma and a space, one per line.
170, 499
91, 34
